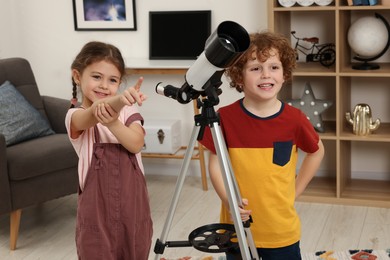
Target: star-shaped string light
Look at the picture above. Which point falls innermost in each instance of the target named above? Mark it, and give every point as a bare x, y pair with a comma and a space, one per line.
311, 107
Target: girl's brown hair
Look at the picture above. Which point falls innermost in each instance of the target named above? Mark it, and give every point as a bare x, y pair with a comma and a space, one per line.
95, 52
261, 44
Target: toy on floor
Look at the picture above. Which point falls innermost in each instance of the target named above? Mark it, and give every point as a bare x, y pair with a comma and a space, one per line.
364, 255
326, 255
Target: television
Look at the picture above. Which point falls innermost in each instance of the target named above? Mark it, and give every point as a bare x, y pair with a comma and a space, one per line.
178, 35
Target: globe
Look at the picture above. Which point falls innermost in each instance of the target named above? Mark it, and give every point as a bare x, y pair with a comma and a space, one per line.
368, 37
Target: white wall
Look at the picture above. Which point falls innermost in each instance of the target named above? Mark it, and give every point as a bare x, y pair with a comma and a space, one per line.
42, 31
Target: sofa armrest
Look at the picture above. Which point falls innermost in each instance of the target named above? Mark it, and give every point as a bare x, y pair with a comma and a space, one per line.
5, 192
56, 109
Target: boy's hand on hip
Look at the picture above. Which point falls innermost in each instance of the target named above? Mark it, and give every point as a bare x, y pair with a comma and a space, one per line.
245, 213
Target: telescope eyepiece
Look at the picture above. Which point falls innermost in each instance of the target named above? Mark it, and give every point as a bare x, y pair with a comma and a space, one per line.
179, 94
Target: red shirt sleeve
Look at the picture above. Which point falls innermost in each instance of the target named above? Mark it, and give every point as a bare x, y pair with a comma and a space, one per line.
308, 138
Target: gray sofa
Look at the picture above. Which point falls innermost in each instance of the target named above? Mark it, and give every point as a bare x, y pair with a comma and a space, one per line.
40, 169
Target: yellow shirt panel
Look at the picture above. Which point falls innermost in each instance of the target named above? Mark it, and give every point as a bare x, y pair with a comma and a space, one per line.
270, 190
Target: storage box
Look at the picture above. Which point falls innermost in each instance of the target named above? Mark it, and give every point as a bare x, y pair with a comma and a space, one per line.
162, 136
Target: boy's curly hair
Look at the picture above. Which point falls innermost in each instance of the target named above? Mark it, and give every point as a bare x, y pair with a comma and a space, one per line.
262, 43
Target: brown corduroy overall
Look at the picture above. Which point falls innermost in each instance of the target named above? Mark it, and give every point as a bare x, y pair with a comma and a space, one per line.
113, 215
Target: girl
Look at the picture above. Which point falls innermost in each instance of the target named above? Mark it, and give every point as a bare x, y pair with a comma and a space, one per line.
113, 215
263, 135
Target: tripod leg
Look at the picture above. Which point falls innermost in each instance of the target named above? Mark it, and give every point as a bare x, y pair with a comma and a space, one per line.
233, 195
160, 243
248, 232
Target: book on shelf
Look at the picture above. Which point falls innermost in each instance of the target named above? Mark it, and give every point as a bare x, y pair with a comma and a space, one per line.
385, 2
360, 2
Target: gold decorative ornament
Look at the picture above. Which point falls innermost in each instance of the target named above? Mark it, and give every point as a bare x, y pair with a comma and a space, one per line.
361, 120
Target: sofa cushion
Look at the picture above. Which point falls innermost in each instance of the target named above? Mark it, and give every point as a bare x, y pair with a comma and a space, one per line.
40, 156
19, 120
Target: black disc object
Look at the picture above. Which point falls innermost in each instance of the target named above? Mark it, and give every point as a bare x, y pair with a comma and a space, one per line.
214, 238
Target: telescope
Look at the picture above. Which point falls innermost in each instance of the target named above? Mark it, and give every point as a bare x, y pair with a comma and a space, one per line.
222, 48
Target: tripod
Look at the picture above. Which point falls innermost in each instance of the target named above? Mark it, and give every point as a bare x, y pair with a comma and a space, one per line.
208, 117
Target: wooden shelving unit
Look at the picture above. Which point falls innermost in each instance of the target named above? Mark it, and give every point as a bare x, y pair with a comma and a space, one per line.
339, 185
199, 151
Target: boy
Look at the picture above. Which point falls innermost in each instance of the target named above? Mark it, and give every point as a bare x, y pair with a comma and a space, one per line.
262, 136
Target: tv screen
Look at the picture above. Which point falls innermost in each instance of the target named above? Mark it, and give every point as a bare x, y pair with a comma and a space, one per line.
178, 35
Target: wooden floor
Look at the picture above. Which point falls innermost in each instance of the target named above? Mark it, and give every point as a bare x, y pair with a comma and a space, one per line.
47, 230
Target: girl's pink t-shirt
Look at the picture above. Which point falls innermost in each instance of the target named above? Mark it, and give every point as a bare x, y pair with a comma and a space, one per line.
83, 145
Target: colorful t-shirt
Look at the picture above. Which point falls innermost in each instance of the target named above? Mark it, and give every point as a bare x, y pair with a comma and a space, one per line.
263, 153
83, 145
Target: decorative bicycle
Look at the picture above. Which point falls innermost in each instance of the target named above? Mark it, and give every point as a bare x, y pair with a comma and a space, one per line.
323, 53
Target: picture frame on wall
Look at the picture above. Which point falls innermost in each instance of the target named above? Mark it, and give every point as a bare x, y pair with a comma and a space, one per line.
104, 15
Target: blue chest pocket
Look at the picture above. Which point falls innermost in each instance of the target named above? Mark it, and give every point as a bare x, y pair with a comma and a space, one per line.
282, 152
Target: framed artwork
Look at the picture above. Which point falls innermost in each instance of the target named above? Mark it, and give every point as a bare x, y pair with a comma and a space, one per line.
104, 15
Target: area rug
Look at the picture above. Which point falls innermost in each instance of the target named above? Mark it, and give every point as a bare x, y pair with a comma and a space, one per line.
196, 258
360, 254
